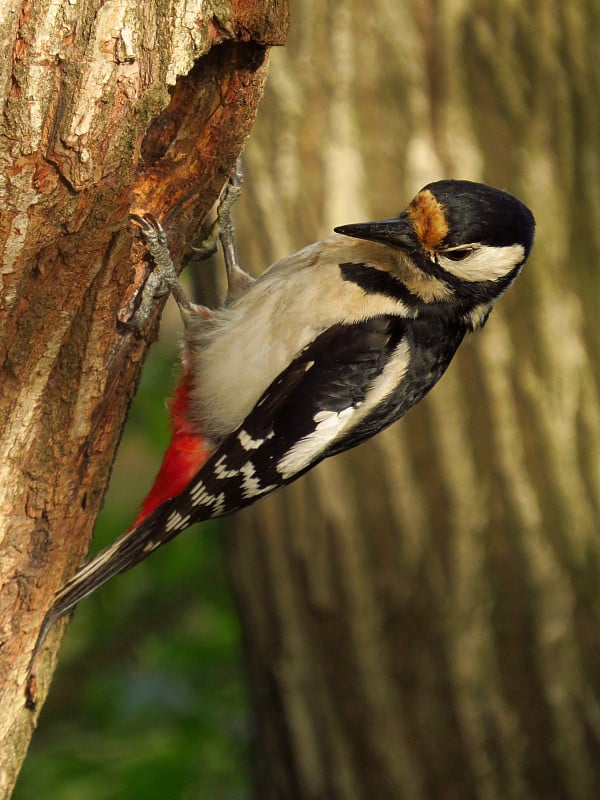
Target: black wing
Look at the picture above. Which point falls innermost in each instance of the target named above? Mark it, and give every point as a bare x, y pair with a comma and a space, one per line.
311, 403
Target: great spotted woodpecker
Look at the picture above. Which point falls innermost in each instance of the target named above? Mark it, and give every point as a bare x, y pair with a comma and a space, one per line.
325, 349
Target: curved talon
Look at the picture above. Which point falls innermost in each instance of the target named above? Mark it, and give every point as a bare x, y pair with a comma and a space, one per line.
146, 223
163, 276
236, 176
149, 225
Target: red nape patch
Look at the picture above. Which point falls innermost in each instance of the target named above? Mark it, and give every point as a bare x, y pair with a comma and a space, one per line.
184, 456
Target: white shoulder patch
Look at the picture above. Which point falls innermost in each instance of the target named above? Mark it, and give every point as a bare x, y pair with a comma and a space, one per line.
329, 424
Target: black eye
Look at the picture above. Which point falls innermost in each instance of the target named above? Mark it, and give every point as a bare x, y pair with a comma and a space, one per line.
459, 254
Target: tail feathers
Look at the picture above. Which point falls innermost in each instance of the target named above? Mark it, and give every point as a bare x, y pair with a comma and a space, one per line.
158, 528
184, 458
155, 524
135, 545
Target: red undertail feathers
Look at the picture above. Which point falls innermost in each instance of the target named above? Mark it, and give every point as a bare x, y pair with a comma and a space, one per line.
185, 455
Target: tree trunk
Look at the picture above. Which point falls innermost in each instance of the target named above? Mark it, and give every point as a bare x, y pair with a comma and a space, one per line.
108, 108
422, 615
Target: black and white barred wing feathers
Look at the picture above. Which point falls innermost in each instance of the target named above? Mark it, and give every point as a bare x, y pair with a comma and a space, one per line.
321, 403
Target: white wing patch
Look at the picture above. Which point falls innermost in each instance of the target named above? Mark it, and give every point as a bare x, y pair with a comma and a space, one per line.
251, 484
176, 521
221, 471
391, 377
200, 496
329, 424
247, 442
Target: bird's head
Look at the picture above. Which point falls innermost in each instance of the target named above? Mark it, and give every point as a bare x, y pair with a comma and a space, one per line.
459, 231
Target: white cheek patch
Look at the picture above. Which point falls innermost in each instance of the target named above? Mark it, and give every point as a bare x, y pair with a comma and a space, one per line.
329, 424
485, 263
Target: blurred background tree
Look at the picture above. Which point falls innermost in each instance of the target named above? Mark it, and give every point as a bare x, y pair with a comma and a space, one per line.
421, 616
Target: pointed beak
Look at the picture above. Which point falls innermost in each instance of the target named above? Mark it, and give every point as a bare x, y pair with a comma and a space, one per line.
397, 232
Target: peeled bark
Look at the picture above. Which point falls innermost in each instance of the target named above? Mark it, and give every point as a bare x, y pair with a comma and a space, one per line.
422, 615
109, 108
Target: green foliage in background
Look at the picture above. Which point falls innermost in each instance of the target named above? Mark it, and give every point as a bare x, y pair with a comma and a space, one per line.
149, 699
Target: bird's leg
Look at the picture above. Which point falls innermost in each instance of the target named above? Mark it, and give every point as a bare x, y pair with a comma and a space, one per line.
222, 230
163, 275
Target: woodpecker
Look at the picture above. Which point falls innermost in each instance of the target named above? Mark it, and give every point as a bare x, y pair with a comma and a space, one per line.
325, 349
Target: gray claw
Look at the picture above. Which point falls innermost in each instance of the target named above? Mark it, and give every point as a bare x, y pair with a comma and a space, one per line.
163, 277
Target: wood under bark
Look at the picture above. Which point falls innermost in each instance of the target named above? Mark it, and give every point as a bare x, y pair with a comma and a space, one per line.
108, 108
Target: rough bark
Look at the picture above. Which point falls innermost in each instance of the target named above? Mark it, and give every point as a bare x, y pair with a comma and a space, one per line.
108, 108
422, 615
